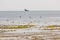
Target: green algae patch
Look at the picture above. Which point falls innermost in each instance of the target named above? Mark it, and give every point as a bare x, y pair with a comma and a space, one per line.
52, 27
16, 26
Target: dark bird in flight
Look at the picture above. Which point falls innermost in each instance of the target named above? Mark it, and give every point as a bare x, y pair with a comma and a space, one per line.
26, 10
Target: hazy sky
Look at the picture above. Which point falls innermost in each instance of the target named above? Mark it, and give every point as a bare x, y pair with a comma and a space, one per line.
29, 4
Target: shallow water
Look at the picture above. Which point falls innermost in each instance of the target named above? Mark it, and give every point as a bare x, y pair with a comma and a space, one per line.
22, 17
40, 18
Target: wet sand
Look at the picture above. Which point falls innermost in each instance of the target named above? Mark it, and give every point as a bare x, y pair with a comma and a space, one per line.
43, 35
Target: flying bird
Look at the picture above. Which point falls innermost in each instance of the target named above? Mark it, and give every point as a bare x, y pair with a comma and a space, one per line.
26, 10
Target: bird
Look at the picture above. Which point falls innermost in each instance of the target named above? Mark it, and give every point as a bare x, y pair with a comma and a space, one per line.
26, 10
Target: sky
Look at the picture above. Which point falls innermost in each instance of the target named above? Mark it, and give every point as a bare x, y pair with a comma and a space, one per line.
18, 5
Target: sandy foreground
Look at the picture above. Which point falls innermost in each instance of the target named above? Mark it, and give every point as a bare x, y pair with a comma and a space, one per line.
28, 34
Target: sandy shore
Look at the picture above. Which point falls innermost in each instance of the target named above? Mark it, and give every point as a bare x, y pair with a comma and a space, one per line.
44, 35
